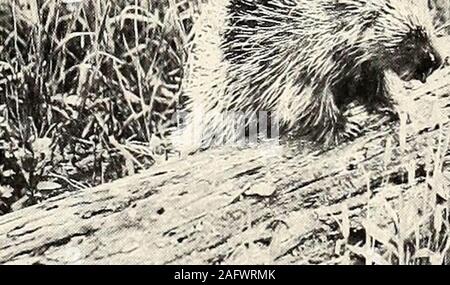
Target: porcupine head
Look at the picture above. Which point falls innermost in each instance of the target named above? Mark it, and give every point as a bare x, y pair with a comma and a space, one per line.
303, 62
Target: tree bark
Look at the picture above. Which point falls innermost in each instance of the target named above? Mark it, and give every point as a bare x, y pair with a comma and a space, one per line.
280, 205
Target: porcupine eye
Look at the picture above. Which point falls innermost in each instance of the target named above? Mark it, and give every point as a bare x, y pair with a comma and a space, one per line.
418, 58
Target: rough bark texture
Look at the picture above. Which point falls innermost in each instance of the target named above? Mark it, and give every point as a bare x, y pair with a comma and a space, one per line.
258, 205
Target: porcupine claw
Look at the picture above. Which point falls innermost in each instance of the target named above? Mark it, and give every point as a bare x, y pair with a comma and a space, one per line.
345, 131
389, 112
384, 106
352, 130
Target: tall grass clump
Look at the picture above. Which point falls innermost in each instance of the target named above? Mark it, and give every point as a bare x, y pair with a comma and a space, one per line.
86, 88
441, 10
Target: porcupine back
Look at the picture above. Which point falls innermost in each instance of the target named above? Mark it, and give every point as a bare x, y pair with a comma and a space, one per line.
283, 56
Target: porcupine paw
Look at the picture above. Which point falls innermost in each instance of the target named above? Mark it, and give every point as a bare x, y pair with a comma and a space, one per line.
385, 107
351, 130
389, 111
347, 130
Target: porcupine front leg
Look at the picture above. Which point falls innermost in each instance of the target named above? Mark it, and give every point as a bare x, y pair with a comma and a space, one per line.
378, 88
328, 124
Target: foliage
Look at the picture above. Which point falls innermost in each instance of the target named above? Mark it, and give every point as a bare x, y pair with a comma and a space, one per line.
86, 88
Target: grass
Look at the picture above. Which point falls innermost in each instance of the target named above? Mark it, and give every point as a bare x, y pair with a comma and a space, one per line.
86, 90
405, 224
442, 14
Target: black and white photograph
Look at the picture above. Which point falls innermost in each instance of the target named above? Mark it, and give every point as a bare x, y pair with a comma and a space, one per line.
225, 132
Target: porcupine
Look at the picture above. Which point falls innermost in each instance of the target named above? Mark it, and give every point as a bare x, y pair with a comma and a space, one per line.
303, 61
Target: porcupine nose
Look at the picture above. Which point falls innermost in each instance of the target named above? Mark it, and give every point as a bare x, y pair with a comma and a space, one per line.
430, 63
435, 62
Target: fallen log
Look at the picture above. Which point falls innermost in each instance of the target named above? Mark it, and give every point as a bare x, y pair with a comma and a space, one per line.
281, 204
